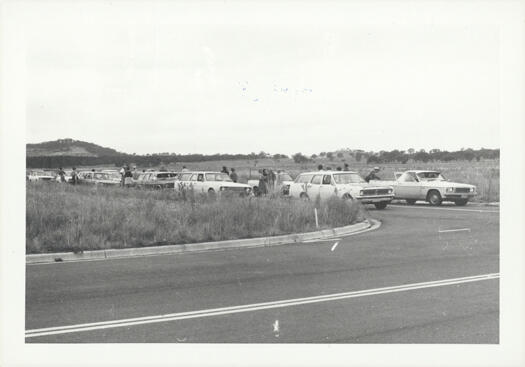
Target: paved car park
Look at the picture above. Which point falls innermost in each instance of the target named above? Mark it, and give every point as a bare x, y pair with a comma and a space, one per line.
436, 269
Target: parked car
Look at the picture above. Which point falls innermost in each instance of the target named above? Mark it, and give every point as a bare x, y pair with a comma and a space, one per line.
212, 183
156, 180
429, 186
99, 178
39, 175
282, 183
347, 185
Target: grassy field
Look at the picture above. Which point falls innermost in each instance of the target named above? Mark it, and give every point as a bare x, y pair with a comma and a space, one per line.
61, 217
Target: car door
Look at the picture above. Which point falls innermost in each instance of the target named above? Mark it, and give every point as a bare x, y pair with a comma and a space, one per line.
313, 187
408, 186
327, 187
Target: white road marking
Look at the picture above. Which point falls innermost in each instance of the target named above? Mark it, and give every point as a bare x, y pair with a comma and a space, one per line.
325, 240
453, 230
444, 208
250, 307
334, 246
276, 326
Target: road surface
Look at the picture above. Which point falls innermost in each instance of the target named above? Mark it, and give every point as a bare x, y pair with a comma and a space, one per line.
382, 286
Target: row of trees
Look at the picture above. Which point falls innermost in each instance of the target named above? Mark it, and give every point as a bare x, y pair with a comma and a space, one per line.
401, 156
151, 160
148, 160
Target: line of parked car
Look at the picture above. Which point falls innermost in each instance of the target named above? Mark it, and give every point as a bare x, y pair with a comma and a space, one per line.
411, 186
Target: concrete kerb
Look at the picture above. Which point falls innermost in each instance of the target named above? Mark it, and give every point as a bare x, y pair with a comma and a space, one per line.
367, 225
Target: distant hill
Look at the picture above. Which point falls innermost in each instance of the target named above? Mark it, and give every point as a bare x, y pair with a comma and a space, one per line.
69, 147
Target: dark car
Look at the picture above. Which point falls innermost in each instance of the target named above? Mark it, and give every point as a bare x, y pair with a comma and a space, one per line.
156, 180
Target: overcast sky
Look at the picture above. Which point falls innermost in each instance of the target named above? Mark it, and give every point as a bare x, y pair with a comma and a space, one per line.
170, 77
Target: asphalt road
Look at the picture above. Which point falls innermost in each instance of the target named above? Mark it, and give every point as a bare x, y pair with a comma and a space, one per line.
227, 296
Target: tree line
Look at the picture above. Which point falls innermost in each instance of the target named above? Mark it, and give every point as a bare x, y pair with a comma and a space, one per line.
401, 156
148, 160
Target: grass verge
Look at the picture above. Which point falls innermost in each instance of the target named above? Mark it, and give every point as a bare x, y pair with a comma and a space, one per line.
62, 218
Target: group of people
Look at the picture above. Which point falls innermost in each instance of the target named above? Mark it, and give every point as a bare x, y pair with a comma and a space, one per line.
233, 175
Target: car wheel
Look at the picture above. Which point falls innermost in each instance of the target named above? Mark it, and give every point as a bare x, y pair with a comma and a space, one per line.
381, 205
434, 198
410, 201
304, 196
461, 202
211, 193
347, 197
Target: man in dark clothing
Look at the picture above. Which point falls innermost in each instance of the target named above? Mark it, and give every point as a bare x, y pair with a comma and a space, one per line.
347, 167
62, 175
128, 176
263, 183
339, 168
373, 175
233, 175
320, 167
225, 170
74, 176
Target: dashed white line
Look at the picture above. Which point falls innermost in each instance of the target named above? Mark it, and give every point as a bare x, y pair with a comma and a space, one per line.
454, 230
250, 307
444, 208
334, 246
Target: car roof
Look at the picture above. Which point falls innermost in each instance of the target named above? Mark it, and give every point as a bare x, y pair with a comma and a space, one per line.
423, 170
325, 172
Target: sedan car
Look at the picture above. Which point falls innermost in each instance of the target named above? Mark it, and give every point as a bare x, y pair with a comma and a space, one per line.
156, 180
99, 178
347, 185
39, 175
212, 183
430, 186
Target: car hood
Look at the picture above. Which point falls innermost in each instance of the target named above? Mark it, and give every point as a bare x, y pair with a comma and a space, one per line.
364, 185
443, 184
233, 184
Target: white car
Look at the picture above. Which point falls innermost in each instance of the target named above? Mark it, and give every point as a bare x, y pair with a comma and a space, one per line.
39, 175
207, 182
429, 186
344, 184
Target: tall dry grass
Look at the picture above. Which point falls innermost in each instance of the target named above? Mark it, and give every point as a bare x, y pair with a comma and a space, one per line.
61, 217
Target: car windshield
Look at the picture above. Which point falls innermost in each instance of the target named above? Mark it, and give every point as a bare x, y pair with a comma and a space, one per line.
347, 178
166, 175
218, 177
430, 176
285, 177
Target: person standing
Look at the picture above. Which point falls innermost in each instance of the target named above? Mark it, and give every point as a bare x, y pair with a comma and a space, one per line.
373, 175
271, 178
122, 173
225, 170
62, 174
233, 175
184, 169
128, 176
74, 176
347, 167
320, 167
263, 182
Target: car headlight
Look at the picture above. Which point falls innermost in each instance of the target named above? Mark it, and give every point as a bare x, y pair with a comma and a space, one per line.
361, 193
450, 189
222, 188
390, 191
472, 189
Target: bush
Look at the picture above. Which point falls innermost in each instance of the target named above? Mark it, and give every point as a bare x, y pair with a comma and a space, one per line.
77, 218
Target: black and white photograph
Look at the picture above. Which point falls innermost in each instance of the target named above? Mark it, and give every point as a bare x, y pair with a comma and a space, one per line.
262, 183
